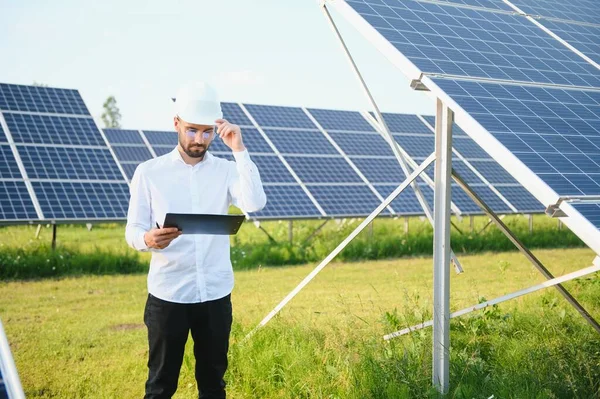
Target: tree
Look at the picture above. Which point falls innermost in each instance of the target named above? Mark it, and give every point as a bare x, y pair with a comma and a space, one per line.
111, 115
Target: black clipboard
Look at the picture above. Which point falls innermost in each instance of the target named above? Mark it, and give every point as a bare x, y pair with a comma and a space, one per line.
190, 223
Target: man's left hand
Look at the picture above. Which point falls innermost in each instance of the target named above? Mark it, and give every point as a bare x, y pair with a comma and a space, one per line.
230, 134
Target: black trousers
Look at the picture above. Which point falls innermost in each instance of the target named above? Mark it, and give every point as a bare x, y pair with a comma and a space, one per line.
169, 325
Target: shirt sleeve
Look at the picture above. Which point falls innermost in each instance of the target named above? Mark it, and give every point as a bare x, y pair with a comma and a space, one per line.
139, 215
245, 186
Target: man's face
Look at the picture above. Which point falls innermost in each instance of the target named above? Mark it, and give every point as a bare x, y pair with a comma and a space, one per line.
194, 139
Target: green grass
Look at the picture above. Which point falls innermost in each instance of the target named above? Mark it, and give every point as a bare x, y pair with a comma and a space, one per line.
103, 249
83, 337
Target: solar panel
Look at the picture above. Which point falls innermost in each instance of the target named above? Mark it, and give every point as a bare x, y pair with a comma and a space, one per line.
380, 170
69, 163
82, 200
300, 141
41, 99
279, 117
346, 200
132, 154
575, 10
445, 39
569, 127
123, 136
252, 139
405, 204
313, 169
355, 143
15, 202
333, 120
234, 114
492, 4
8, 164
161, 138
272, 169
66, 161
287, 201
59, 130
584, 38
591, 212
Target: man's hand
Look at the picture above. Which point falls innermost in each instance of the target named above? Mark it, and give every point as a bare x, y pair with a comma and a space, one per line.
231, 135
161, 238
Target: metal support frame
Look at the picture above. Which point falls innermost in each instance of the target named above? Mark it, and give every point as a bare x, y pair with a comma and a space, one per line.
549, 283
8, 369
528, 254
530, 218
38, 231
53, 236
344, 243
291, 231
314, 233
406, 225
471, 223
441, 248
385, 130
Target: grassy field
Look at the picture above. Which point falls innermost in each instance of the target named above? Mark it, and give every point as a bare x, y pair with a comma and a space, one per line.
83, 337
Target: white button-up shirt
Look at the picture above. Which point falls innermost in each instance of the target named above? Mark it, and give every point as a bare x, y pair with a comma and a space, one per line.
193, 268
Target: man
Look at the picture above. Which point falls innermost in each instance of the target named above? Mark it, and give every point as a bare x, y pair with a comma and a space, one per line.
190, 278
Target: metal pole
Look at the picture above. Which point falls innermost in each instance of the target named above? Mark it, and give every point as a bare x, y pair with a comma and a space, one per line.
395, 147
344, 243
441, 248
528, 254
371, 230
291, 231
530, 224
560, 225
37, 232
471, 223
516, 294
8, 369
406, 225
54, 236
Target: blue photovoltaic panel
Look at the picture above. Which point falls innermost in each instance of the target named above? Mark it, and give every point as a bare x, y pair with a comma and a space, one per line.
468, 207
466, 173
469, 148
405, 204
346, 200
252, 138
416, 146
41, 99
590, 211
287, 201
272, 170
162, 150
362, 144
300, 142
8, 164
521, 199
491, 4
323, 170
380, 170
129, 169
331, 120
493, 173
405, 123
69, 163
272, 116
73, 200
132, 153
123, 136
3, 138
15, 202
489, 197
584, 38
166, 138
445, 39
575, 10
60, 130
234, 114
565, 127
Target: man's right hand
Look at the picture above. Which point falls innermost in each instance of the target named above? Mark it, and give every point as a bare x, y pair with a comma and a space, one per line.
161, 238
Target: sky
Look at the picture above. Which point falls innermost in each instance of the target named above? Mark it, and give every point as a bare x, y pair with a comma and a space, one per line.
276, 52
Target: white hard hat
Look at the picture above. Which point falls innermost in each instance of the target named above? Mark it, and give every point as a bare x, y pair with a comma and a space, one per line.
198, 103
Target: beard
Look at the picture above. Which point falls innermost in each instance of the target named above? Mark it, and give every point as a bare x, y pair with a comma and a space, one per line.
194, 150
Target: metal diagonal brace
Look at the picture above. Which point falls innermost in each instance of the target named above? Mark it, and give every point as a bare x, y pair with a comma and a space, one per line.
383, 126
535, 261
549, 283
344, 243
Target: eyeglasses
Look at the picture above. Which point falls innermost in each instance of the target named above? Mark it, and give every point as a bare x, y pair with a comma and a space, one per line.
190, 132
